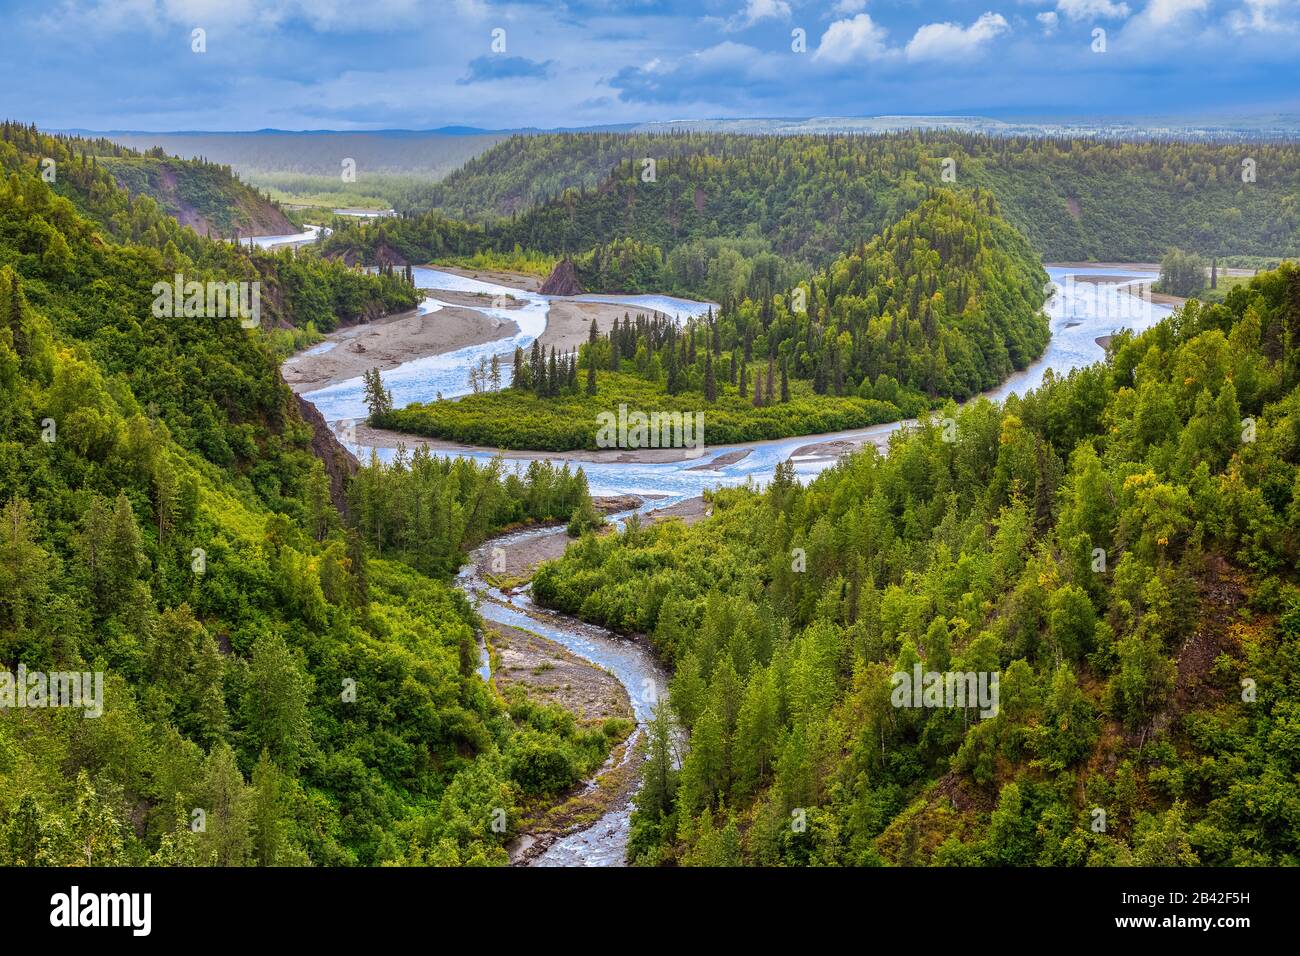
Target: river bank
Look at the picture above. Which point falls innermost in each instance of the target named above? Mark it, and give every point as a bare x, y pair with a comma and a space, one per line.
828, 445
392, 341
491, 307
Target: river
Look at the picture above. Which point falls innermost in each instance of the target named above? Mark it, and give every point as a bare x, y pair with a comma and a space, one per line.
310, 234
604, 843
1080, 311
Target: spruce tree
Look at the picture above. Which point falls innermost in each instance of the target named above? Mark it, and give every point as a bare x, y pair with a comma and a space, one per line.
538, 366
125, 551
517, 379
16, 317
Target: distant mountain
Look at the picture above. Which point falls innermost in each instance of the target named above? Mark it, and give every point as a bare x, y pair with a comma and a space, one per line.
424, 154
1272, 126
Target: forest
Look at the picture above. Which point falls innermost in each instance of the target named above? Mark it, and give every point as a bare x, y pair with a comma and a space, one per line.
290, 676
287, 679
1119, 545
804, 199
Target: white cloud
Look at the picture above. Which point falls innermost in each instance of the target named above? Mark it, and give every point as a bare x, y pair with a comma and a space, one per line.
1050, 22
1163, 13
951, 41
1170, 22
860, 38
156, 15
1093, 9
758, 10
1261, 16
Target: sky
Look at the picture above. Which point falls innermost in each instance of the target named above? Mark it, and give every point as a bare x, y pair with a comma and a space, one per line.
424, 64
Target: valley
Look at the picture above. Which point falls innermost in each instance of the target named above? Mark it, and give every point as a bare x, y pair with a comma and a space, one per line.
917, 438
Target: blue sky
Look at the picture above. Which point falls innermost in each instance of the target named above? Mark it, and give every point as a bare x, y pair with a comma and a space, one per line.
358, 64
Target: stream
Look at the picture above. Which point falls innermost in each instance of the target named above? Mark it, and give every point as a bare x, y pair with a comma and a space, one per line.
604, 843
1085, 304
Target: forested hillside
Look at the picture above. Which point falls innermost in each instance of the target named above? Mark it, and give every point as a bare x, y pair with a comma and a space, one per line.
944, 303
807, 198
205, 196
278, 688
1120, 546
202, 195
304, 166
414, 239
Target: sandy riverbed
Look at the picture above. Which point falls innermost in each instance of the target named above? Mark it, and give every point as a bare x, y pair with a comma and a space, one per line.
551, 674
391, 341
516, 280
1137, 266
394, 340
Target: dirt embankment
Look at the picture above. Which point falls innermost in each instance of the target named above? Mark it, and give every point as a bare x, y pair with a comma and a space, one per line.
691, 511
252, 214
563, 280
340, 464
837, 448
721, 461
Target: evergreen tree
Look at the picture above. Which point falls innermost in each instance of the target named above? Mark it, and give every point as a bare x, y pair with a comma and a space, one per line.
226, 837
24, 567
274, 706
659, 778
378, 400
538, 365
125, 551
519, 378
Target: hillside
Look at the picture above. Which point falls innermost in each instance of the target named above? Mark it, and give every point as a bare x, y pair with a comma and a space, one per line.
1119, 547
304, 167
278, 687
207, 198
806, 197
